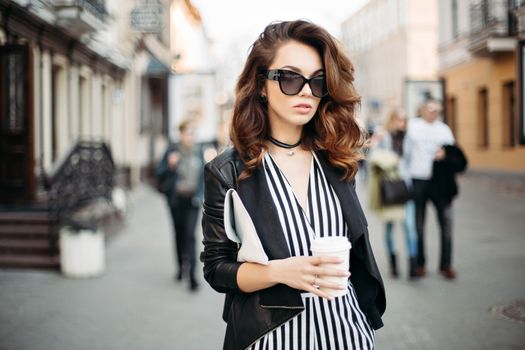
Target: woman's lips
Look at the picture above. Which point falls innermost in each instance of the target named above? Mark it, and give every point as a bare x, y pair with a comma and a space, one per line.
303, 107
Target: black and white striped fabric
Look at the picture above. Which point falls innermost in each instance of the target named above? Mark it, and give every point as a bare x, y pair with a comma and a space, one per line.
324, 324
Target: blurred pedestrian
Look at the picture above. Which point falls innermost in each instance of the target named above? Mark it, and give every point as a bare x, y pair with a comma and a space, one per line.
363, 162
424, 144
294, 158
390, 137
181, 175
219, 143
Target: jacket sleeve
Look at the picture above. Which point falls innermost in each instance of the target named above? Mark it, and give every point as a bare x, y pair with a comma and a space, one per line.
455, 159
220, 254
162, 170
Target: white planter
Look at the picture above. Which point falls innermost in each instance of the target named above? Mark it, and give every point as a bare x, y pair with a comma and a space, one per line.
82, 253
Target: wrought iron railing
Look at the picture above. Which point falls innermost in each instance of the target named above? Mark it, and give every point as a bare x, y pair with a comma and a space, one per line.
492, 18
84, 175
96, 7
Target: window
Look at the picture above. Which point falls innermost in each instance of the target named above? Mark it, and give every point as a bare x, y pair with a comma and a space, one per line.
455, 30
509, 115
83, 116
483, 118
451, 114
522, 94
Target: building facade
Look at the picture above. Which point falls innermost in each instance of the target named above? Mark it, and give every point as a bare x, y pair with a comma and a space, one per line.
83, 109
76, 70
393, 45
481, 64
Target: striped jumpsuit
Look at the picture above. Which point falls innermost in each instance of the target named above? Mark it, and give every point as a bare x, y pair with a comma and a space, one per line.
324, 324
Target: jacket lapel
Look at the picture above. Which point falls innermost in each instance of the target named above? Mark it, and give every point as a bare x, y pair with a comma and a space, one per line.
345, 191
258, 201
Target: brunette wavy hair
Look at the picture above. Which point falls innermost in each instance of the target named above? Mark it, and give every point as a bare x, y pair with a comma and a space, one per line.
334, 127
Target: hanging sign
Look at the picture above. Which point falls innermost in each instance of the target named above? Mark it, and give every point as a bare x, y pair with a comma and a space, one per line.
147, 17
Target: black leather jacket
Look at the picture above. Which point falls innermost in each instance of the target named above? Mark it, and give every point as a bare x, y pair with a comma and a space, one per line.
249, 316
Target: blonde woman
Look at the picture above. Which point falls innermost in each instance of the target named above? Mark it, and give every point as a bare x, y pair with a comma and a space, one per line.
391, 137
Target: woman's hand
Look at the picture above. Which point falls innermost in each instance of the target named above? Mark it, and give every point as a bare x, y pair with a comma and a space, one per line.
307, 273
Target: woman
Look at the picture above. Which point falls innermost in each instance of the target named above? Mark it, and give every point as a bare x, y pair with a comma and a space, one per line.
391, 137
296, 146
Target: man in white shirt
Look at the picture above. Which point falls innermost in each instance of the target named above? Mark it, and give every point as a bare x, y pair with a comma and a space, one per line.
424, 143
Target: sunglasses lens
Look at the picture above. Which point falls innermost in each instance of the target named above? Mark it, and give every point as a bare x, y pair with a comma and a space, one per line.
318, 86
291, 83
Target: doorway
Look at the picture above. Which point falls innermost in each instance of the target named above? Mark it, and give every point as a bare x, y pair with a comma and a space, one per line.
17, 180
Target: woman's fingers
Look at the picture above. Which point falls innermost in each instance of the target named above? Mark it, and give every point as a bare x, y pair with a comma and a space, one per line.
309, 273
325, 259
326, 283
315, 290
329, 271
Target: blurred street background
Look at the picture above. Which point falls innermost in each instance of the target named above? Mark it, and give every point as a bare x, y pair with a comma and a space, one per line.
92, 93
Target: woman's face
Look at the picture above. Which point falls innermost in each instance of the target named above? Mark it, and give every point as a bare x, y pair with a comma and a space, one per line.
284, 110
401, 122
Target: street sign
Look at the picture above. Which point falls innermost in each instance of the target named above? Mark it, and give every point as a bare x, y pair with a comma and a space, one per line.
148, 18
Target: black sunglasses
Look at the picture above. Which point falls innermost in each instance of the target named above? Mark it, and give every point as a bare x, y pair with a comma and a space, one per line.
291, 83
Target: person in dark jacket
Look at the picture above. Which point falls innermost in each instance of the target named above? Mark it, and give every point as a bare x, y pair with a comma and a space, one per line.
181, 178
296, 144
443, 185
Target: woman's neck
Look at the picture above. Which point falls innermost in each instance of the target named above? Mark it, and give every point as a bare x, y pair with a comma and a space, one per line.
287, 134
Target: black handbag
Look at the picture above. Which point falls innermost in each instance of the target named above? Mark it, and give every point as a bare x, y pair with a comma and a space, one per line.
394, 191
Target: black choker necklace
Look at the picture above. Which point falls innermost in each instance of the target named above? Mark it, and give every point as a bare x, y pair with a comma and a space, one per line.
285, 145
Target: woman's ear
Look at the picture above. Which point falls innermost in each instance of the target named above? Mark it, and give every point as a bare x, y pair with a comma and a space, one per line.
263, 97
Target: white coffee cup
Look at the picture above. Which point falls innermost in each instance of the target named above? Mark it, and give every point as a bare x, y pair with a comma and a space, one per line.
333, 246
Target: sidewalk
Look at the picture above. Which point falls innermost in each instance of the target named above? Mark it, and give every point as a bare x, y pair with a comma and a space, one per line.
138, 305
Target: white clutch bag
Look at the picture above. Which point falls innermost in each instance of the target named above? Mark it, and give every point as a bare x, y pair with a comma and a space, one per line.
240, 229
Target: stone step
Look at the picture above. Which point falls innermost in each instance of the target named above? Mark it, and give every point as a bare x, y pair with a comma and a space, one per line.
30, 261
25, 217
25, 246
13, 230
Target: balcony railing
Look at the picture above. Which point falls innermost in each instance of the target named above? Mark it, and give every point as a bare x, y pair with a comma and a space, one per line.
519, 11
490, 15
96, 7
81, 16
491, 20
